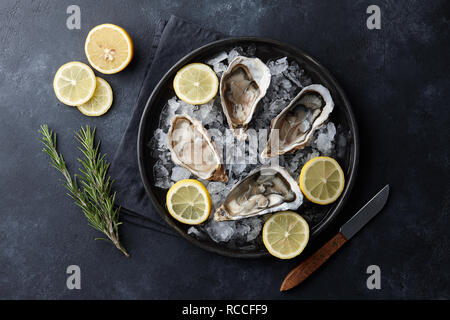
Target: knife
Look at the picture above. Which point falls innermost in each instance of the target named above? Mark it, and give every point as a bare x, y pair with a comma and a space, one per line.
346, 232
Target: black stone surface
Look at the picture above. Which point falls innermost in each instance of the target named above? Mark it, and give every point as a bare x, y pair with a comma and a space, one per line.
397, 79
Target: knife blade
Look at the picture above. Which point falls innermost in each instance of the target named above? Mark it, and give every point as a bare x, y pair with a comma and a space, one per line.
365, 214
346, 232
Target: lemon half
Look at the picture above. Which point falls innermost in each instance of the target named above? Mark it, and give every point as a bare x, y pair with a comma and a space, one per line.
74, 83
196, 83
108, 48
189, 202
285, 234
322, 180
100, 102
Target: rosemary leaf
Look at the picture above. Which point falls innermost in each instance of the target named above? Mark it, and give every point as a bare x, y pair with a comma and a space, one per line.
93, 194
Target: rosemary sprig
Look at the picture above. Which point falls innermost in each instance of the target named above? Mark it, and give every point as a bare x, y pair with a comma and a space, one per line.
94, 196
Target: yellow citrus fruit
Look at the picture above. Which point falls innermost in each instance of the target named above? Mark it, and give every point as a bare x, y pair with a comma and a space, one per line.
189, 202
285, 234
74, 83
322, 180
196, 83
108, 48
100, 102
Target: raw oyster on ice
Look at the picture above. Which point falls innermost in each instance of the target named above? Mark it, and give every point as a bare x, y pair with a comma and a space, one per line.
266, 189
192, 148
294, 127
242, 85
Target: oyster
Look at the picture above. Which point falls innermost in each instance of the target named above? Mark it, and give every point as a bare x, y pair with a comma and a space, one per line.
242, 85
266, 189
192, 148
293, 128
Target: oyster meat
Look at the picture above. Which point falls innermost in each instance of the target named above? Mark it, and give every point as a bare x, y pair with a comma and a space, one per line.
293, 128
242, 85
192, 148
266, 189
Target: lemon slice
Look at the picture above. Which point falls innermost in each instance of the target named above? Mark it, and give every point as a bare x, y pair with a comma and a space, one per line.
108, 48
196, 83
74, 83
100, 102
322, 180
285, 234
189, 202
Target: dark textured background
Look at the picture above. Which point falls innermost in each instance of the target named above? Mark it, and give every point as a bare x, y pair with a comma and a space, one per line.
397, 79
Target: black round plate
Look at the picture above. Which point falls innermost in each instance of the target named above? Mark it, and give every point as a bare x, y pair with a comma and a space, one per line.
265, 49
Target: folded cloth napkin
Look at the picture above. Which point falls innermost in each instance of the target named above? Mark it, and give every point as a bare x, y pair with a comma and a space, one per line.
173, 39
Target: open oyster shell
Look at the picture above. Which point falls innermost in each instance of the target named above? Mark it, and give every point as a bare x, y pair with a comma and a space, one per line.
294, 127
192, 148
242, 85
266, 189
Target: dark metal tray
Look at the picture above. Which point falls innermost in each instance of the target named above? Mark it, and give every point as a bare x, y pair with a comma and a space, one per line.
265, 49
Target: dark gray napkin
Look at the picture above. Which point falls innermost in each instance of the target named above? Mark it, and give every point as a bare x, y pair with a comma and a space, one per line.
173, 39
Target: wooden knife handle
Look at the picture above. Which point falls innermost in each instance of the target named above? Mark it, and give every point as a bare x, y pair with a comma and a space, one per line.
311, 264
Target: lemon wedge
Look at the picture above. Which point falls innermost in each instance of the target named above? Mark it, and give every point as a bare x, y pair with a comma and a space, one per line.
285, 234
100, 102
189, 202
108, 48
322, 180
74, 83
196, 83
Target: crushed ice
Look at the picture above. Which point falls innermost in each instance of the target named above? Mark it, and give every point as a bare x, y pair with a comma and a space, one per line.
288, 78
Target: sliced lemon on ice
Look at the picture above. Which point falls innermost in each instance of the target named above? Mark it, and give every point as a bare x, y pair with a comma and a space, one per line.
285, 234
108, 48
74, 83
196, 83
100, 102
322, 180
189, 202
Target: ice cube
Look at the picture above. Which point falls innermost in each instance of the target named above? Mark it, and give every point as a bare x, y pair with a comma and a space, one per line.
294, 163
173, 105
331, 128
238, 168
218, 58
161, 175
323, 143
242, 230
292, 77
193, 231
220, 231
311, 155
297, 75
216, 187
185, 108
274, 109
209, 113
169, 110
234, 53
200, 112
216, 200
278, 66
166, 159
161, 139
286, 84
219, 68
179, 173
255, 225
